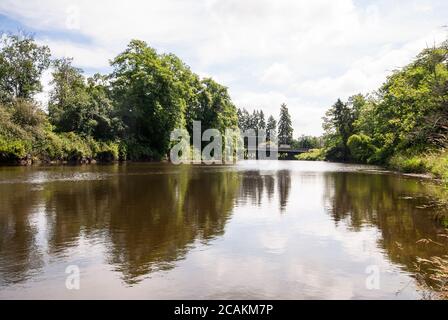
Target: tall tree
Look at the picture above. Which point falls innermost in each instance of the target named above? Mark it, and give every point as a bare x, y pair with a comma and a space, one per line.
150, 98
339, 126
262, 121
216, 110
285, 130
22, 63
69, 100
244, 119
271, 128
81, 106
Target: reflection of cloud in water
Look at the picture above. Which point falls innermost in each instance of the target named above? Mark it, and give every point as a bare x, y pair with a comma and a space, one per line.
303, 230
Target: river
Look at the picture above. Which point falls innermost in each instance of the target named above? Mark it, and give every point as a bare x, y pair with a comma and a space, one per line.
256, 230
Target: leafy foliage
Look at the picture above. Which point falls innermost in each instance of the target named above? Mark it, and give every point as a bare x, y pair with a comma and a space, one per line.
400, 123
22, 63
128, 114
312, 155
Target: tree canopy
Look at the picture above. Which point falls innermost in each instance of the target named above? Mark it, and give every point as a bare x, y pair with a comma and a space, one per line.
408, 114
129, 113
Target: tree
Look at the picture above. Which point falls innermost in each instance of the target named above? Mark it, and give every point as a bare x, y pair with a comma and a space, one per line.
244, 121
103, 122
149, 98
155, 94
339, 126
271, 128
216, 110
22, 63
261, 121
81, 106
361, 147
285, 130
69, 100
307, 142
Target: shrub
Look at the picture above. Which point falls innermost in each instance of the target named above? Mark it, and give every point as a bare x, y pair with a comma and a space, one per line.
138, 151
312, 155
12, 150
408, 164
437, 163
107, 151
361, 147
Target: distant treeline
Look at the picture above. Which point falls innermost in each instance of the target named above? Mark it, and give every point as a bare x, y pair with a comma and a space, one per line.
128, 114
280, 131
404, 124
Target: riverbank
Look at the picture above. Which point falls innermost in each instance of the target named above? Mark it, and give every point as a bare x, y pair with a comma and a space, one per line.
432, 165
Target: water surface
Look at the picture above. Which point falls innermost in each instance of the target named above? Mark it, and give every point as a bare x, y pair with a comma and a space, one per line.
258, 230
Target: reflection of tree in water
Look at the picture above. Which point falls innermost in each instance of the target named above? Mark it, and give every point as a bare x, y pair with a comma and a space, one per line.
169, 213
252, 187
270, 186
255, 183
19, 254
284, 186
148, 221
395, 206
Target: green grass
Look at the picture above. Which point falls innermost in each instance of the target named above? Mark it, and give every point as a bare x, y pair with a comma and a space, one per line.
408, 164
435, 163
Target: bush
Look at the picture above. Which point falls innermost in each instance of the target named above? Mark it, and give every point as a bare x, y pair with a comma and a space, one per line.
138, 151
408, 164
437, 163
75, 148
12, 150
335, 153
107, 151
312, 155
50, 147
361, 148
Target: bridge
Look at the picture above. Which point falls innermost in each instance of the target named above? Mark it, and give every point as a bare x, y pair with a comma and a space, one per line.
289, 154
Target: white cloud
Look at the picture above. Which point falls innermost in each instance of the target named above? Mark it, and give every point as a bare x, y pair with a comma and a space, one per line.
84, 55
277, 74
304, 53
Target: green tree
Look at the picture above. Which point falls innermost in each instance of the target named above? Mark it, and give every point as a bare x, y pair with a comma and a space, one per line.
244, 121
285, 130
361, 148
261, 121
271, 128
82, 106
69, 101
149, 98
22, 63
216, 110
307, 142
102, 120
339, 126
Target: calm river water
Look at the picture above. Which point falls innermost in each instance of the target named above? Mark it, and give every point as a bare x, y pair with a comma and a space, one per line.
257, 230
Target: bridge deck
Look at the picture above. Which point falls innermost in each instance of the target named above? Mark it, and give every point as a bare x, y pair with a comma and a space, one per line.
282, 150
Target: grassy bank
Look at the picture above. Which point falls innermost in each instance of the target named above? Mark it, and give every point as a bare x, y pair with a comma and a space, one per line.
435, 164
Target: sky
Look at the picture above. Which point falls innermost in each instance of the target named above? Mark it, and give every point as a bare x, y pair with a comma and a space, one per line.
306, 54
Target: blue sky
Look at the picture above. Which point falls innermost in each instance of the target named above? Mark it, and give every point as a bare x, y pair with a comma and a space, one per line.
304, 53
